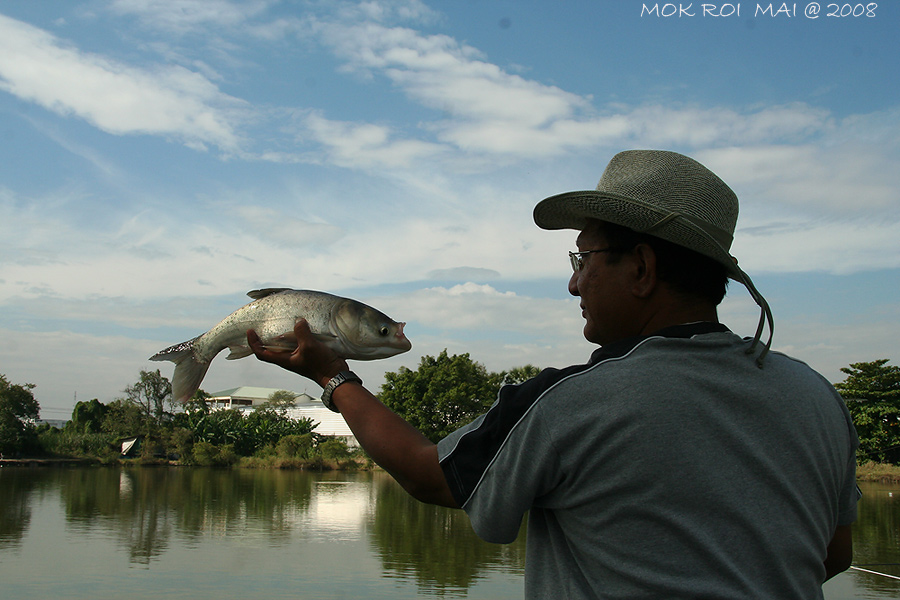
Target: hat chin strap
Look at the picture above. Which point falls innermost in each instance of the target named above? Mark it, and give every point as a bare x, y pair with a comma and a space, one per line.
765, 316
717, 236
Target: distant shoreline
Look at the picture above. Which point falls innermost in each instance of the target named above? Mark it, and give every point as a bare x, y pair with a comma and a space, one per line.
46, 462
245, 463
869, 472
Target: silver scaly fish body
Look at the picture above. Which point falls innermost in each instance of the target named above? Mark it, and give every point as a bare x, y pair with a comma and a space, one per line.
350, 328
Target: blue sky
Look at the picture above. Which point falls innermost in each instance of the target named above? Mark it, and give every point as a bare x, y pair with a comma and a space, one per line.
160, 159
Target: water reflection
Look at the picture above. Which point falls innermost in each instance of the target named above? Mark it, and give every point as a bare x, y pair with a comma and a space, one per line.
148, 511
228, 527
15, 508
145, 507
876, 540
435, 545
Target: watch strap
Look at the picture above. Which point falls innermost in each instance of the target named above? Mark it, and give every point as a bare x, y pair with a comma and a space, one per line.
333, 383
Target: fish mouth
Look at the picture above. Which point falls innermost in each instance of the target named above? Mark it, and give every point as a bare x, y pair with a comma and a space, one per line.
400, 339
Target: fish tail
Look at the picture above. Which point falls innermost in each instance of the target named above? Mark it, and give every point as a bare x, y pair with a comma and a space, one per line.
189, 372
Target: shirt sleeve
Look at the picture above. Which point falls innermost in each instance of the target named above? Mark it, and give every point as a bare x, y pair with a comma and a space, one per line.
850, 492
500, 463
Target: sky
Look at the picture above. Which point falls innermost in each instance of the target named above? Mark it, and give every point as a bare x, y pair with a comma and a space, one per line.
160, 159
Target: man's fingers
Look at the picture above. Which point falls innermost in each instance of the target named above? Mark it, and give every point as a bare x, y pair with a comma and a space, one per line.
255, 343
301, 328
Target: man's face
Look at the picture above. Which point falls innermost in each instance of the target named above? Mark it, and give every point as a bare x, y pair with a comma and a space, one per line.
606, 302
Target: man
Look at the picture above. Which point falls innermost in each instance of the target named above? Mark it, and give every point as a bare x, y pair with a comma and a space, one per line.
681, 461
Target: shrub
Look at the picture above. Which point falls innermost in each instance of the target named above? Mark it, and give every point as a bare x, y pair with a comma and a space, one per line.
333, 449
294, 446
205, 454
55, 442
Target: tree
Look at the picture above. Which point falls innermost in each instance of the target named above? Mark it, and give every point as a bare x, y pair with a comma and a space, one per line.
87, 417
443, 394
872, 393
279, 400
124, 418
150, 393
17, 405
519, 374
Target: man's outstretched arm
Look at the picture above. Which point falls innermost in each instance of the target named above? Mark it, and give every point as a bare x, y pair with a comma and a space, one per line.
393, 444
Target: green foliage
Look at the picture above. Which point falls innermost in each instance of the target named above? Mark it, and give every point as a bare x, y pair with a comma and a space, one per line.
194, 435
295, 446
333, 449
872, 393
124, 418
17, 404
74, 444
87, 417
519, 374
180, 442
206, 454
443, 394
246, 433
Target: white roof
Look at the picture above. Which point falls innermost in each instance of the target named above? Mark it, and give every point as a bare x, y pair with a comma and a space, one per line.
306, 406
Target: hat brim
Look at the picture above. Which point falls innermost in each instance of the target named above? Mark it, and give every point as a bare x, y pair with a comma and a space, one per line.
573, 210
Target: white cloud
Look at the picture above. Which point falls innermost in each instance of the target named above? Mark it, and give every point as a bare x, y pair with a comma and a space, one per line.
833, 246
470, 274
825, 177
117, 98
366, 146
278, 228
180, 16
475, 307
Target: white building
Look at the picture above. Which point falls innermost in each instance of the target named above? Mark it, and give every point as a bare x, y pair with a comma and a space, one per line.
305, 406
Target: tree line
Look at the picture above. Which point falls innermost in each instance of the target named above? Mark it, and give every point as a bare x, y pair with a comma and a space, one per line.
442, 394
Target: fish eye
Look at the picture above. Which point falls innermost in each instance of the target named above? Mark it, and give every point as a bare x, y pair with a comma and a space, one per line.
384, 330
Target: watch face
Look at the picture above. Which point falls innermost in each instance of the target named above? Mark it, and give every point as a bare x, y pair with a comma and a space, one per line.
342, 377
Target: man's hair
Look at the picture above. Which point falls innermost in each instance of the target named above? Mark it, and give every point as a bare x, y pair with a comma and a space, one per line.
686, 271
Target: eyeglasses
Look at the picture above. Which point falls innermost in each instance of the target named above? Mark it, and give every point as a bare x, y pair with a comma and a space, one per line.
576, 259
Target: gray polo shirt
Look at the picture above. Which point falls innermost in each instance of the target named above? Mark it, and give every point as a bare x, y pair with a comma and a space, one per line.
669, 466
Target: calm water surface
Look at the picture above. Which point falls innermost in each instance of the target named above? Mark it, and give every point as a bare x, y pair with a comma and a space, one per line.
142, 533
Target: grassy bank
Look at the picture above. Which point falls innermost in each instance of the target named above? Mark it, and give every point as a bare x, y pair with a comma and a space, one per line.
872, 471
357, 461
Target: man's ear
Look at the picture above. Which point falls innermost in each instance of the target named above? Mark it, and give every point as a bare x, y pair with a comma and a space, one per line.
645, 281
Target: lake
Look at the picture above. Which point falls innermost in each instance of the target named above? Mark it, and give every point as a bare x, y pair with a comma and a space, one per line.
149, 532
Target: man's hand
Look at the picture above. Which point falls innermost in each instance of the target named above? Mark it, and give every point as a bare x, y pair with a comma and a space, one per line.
311, 358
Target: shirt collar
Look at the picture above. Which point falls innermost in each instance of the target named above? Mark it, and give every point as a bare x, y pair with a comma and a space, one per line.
686, 330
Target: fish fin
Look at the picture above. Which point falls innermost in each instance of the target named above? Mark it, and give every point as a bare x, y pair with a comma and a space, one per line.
240, 351
177, 352
189, 372
325, 337
262, 293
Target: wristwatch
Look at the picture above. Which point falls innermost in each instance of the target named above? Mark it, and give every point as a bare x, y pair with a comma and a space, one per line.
342, 377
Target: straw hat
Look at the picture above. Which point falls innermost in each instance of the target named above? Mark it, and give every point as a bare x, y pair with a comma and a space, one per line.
665, 194
662, 193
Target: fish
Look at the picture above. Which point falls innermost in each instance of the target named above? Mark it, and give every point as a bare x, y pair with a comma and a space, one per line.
353, 330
